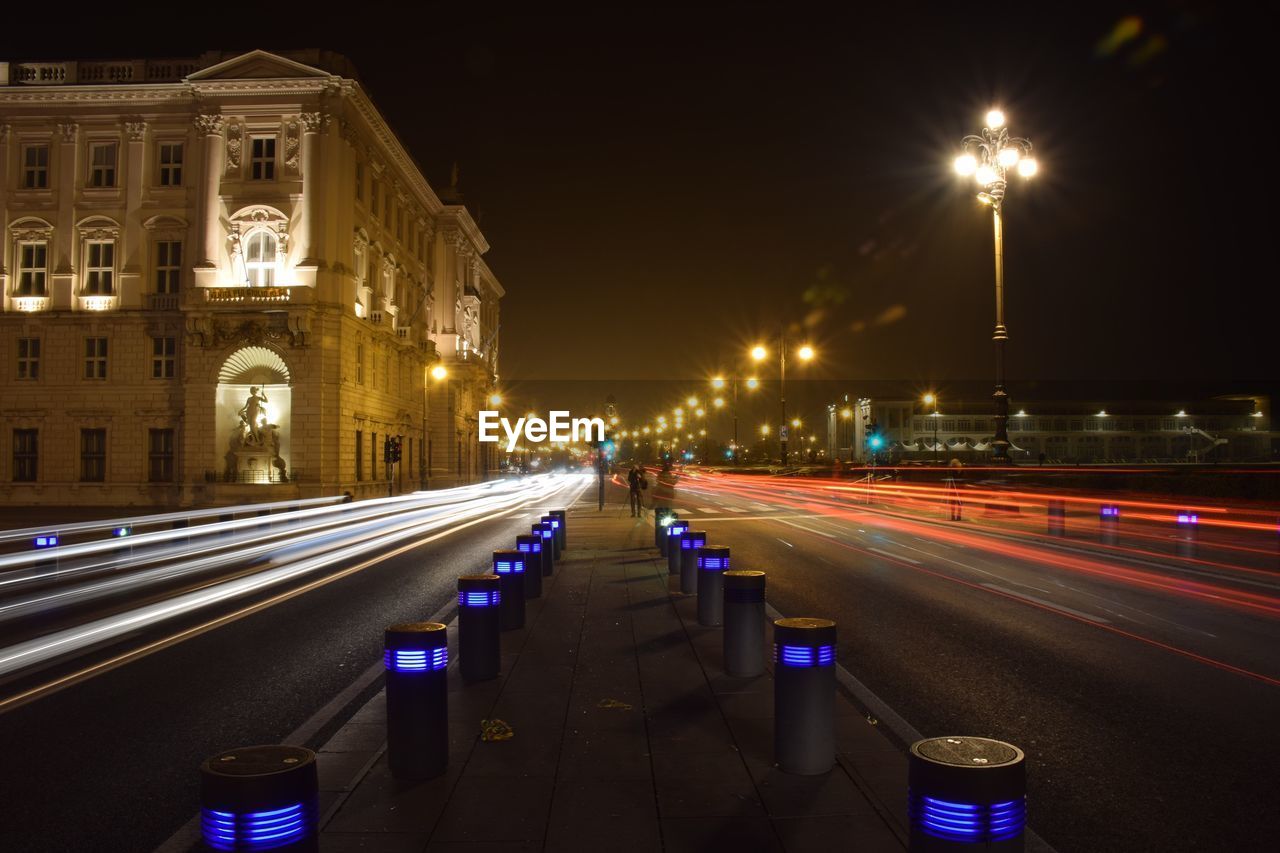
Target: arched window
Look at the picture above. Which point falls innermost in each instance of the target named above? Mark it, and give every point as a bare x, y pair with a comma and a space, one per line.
260, 259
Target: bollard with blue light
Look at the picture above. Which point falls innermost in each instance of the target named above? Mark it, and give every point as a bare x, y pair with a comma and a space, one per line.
671, 542
1057, 516
260, 798
479, 623
547, 533
555, 534
416, 658
531, 547
562, 529
45, 540
966, 793
804, 695
686, 559
1108, 523
712, 563
743, 623
509, 566
1187, 522
662, 516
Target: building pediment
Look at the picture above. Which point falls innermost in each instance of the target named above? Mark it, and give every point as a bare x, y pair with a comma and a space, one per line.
257, 65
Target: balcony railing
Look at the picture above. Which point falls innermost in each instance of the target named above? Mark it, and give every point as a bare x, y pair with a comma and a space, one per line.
162, 302
97, 301
31, 304
115, 71
246, 295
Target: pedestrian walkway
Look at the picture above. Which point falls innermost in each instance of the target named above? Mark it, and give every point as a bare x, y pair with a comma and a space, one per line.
627, 735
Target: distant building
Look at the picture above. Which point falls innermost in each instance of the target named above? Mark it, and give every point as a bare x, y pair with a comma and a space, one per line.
225, 279
1221, 429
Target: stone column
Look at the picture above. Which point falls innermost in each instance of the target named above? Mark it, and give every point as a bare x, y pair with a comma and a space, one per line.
308, 231
64, 235
209, 125
133, 258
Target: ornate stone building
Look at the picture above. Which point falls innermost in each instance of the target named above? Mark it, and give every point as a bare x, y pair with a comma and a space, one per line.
225, 280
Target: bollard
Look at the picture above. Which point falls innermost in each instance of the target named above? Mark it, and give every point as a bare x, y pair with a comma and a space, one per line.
531, 546
479, 648
416, 657
804, 695
743, 623
509, 566
543, 530
664, 538
662, 516
671, 542
966, 793
1108, 523
1057, 515
259, 798
686, 560
562, 529
1188, 521
709, 584
556, 547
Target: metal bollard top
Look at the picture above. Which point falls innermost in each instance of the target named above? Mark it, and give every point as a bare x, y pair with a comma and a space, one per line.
509, 562
479, 591
552, 520
743, 579
804, 631
982, 778
415, 635
691, 539
713, 559
256, 778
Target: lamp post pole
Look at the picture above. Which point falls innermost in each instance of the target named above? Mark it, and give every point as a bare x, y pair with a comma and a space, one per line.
988, 157
782, 393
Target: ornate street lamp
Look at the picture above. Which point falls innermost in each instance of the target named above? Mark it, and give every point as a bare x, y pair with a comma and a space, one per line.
988, 157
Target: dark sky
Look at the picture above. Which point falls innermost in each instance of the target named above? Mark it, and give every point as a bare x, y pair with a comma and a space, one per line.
662, 185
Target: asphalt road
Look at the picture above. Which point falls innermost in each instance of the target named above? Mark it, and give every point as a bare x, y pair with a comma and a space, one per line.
111, 763
1145, 695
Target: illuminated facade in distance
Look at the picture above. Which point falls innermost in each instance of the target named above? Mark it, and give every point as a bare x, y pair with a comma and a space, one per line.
224, 279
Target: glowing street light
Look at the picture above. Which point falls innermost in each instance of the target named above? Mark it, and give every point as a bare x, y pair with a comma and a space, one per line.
795, 422
495, 399
439, 372
758, 353
988, 157
931, 399
692, 401
805, 352
718, 402
717, 382
753, 383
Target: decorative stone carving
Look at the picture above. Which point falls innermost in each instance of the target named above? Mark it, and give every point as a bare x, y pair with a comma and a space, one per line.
209, 124
235, 144
136, 129
317, 122
4, 133
68, 129
292, 147
347, 131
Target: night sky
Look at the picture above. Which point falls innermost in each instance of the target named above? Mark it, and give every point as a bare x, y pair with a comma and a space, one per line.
661, 186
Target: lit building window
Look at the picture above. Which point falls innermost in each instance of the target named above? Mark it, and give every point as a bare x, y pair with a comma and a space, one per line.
168, 265
32, 263
260, 259
164, 358
262, 158
28, 358
95, 358
170, 172
93, 455
35, 167
102, 164
99, 267
26, 455
160, 455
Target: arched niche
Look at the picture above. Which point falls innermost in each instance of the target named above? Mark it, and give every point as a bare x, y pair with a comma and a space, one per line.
254, 415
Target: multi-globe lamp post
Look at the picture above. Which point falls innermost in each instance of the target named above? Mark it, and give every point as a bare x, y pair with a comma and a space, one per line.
719, 383
988, 157
804, 353
932, 400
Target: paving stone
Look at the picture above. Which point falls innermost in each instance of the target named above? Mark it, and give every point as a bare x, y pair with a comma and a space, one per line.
494, 808
592, 816
702, 834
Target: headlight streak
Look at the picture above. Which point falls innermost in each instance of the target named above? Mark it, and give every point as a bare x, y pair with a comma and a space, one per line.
58, 645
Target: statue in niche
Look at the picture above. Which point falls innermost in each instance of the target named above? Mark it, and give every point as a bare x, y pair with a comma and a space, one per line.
253, 417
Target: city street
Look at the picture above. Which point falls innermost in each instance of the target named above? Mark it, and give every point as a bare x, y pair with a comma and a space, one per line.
1147, 712
110, 762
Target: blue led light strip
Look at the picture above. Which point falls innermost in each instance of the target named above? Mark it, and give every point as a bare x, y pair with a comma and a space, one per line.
715, 564
264, 830
547, 534
688, 544
967, 822
479, 599
804, 655
507, 567
530, 547
415, 660
555, 523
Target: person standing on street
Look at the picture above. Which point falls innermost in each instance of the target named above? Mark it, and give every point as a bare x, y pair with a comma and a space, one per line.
634, 480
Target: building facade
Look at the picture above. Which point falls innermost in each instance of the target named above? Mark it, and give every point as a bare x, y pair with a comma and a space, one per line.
1223, 429
224, 280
